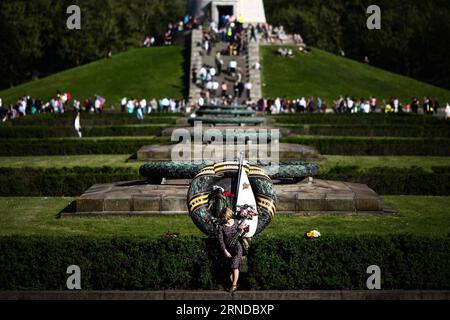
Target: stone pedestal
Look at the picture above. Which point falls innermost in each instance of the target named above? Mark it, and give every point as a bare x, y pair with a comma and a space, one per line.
140, 198
286, 152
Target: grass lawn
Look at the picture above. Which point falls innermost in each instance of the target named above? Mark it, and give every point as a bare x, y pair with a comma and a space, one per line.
119, 161
38, 216
329, 76
154, 72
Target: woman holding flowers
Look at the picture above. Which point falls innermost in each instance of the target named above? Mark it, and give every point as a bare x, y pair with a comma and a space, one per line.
229, 232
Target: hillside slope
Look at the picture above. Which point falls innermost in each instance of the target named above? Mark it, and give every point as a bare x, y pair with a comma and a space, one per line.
154, 72
328, 76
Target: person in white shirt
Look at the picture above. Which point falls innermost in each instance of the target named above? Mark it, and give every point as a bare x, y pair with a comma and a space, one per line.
248, 87
77, 126
365, 107
201, 102
212, 72
215, 86
173, 105
351, 105
153, 105
1, 103
123, 104
143, 104
302, 104
232, 67
277, 106
202, 73
395, 102
130, 106
97, 104
447, 111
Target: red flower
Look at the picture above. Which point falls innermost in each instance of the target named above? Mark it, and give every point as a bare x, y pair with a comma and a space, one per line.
228, 194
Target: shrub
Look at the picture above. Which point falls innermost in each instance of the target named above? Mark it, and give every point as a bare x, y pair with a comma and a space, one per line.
433, 131
75, 181
48, 147
371, 147
359, 119
406, 262
105, 119
59, 182
69, 131
129, 263
395, 181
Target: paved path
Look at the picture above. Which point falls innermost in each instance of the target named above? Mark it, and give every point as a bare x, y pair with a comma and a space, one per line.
222, 295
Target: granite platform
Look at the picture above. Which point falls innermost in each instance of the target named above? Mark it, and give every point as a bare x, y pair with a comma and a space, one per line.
139, 198
286, 152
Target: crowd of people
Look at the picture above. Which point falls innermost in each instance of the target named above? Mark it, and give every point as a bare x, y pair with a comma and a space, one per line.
63, 103
59, 104
349, 104
141, 107
182, 24
229, 30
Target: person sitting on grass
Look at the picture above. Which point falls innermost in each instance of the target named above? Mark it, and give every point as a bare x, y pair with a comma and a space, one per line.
228, 234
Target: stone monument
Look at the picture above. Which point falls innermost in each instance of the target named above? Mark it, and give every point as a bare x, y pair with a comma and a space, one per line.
250, 11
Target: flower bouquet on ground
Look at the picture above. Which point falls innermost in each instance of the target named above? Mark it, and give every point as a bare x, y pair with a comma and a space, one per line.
314, 234
246, 212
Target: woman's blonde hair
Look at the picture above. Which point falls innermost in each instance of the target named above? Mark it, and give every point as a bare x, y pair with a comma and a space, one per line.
226, 215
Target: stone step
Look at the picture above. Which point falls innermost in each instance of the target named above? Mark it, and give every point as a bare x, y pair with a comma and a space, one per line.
284, 151
140, 198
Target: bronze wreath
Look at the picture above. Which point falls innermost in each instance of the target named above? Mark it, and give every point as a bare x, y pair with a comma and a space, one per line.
204, 203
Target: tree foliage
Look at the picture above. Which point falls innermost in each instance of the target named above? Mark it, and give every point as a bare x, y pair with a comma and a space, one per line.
34, 38
413, 39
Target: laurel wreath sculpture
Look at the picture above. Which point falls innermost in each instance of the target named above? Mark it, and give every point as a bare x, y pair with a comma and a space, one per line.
205, 203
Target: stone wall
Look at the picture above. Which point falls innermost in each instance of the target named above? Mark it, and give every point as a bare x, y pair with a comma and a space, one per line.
196, 61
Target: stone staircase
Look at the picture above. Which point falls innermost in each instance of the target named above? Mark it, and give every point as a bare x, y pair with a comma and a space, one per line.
246, 65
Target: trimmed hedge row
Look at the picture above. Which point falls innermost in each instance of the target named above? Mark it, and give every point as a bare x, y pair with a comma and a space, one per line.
396, 181
325, 145
406, 262
75, 181
375, 147
108, 118
49, 147
69, 131
59, 182
361, 119
434, 131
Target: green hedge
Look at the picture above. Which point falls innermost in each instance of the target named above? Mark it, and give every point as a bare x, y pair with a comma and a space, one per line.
87, 119
325, 145
406, 262
396, 181
360, 119
75, 181
59, 182
434, 131
49, 147
374, 147
69, 131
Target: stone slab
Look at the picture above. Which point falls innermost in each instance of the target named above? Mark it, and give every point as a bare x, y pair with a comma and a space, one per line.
142, 198
284, 132
286, 152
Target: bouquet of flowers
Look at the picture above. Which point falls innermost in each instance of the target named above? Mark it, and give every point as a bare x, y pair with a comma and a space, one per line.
312, 234
246, 212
